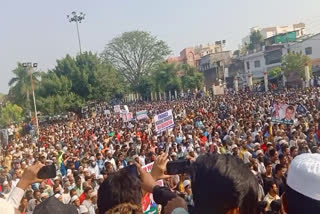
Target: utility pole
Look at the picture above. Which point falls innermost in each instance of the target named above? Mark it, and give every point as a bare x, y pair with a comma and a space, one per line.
77, 19
30, 67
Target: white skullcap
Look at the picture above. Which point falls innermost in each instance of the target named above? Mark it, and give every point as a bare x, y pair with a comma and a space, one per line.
186, 183
256, 144
259, 152
74, 198
304, 175
283, 142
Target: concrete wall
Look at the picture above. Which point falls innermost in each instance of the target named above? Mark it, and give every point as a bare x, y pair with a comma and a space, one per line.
251, 59
313, 42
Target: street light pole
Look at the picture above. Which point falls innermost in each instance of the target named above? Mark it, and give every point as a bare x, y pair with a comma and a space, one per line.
77, 19
78, 36
30, 67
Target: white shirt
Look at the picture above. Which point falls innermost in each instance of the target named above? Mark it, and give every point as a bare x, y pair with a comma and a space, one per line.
10, 131
142, 160
94, 170
6, 207
15, 182
112, 161
66, 198
15, 197
89, 206
269, 199
246, 157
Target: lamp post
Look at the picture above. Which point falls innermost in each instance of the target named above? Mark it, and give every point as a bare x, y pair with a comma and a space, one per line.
30, 67
74, 17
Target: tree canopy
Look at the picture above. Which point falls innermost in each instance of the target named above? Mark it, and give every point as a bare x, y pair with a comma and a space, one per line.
20, 86
295, 62
275, 72
134, 55
133, 61
256, 40
191, 79
10, 113
76, 80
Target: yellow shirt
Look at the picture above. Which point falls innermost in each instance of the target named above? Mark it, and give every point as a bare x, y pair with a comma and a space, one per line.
241, 153
7, 161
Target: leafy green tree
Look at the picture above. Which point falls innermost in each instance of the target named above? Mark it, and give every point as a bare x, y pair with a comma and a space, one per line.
91, 77
11, 113
146, 86
295, 62
108, 83
2, 97
134, 55
76, 80
236, 53
55, 95
165, 77
244, 49
275, 72
20, 86
191, 79
80, 71
256, 40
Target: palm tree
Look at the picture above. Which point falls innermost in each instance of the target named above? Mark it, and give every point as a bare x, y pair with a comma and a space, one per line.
20, 86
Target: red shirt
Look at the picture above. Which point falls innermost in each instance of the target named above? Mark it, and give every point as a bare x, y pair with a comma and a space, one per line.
82, 197
263, 147
203, 140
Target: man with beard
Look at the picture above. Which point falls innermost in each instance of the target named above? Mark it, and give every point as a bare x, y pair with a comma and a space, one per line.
6, 189
110, 159
93, 167
261, 167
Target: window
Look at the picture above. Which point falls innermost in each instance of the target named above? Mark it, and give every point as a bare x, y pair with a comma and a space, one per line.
248, 66
257, 64
309, 51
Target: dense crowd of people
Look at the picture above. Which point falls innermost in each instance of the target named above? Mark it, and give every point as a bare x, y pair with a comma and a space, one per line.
240, 157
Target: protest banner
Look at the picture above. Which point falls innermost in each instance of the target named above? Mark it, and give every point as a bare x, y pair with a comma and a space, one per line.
283, 113
148, 204
126, 116
117, 108
148, 167
107, 112
164, 121
301, 109
140, 115
218, 90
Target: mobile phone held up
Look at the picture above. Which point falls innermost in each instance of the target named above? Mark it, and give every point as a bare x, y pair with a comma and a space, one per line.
178, 167
46, 172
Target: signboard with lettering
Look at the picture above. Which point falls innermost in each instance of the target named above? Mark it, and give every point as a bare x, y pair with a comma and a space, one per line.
142, 115
163, 121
